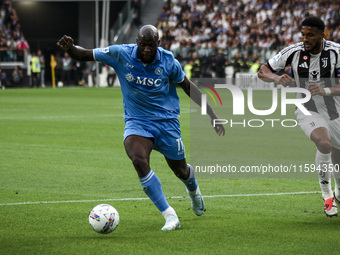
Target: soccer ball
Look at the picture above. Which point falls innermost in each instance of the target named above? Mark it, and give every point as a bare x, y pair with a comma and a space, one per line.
104, 218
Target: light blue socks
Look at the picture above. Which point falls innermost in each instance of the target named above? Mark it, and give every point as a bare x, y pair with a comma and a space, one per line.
153, 189
191, 182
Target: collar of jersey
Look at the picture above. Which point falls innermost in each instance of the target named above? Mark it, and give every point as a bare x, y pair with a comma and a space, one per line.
323, 47
134, 55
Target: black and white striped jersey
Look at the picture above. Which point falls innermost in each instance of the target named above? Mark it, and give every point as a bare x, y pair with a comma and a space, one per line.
306, 68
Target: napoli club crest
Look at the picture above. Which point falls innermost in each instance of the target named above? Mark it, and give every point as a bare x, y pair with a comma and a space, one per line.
158, 71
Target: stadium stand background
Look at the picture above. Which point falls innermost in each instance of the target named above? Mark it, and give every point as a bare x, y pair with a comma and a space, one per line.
44, 22
220, 36
211, 38
11, 35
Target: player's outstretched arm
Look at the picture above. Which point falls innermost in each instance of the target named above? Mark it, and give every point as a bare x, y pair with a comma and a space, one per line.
195, 94
266, 74
316, 89
76, 52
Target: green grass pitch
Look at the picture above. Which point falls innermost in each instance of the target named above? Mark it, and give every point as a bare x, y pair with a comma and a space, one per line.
61, 153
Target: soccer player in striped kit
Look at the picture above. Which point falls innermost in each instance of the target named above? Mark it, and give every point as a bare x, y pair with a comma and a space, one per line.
315, 65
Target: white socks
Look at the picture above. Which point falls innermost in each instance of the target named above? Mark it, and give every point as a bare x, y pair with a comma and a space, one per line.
322, 161
169, 211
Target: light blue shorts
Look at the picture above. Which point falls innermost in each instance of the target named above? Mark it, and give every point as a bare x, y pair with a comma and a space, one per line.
166, 135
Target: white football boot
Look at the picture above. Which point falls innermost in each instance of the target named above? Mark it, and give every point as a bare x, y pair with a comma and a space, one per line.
171, 223
330, 207
197, 202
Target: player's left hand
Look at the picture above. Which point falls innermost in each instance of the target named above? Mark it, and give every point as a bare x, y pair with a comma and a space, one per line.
316, 89
219, 129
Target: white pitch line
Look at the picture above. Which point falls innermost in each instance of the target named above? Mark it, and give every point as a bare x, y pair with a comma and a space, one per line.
61, 117
266, 194
145, 198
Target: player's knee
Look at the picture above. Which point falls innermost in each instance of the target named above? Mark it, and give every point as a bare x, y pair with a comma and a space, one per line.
324, 146
141, 164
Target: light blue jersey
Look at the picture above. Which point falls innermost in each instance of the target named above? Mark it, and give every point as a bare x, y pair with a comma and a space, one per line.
148, 90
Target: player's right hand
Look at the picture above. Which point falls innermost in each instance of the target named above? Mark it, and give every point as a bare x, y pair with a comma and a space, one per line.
65, 42
285, 80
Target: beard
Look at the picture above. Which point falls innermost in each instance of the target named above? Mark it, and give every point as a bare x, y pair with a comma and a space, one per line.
315, 48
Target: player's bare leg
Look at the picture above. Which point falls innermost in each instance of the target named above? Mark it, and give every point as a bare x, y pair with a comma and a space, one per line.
138, 149
186, 174
323, 161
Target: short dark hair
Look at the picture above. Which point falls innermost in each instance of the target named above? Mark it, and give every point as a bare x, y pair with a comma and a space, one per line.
314, 22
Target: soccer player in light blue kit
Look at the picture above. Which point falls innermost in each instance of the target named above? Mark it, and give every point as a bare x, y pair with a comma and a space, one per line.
147, 75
